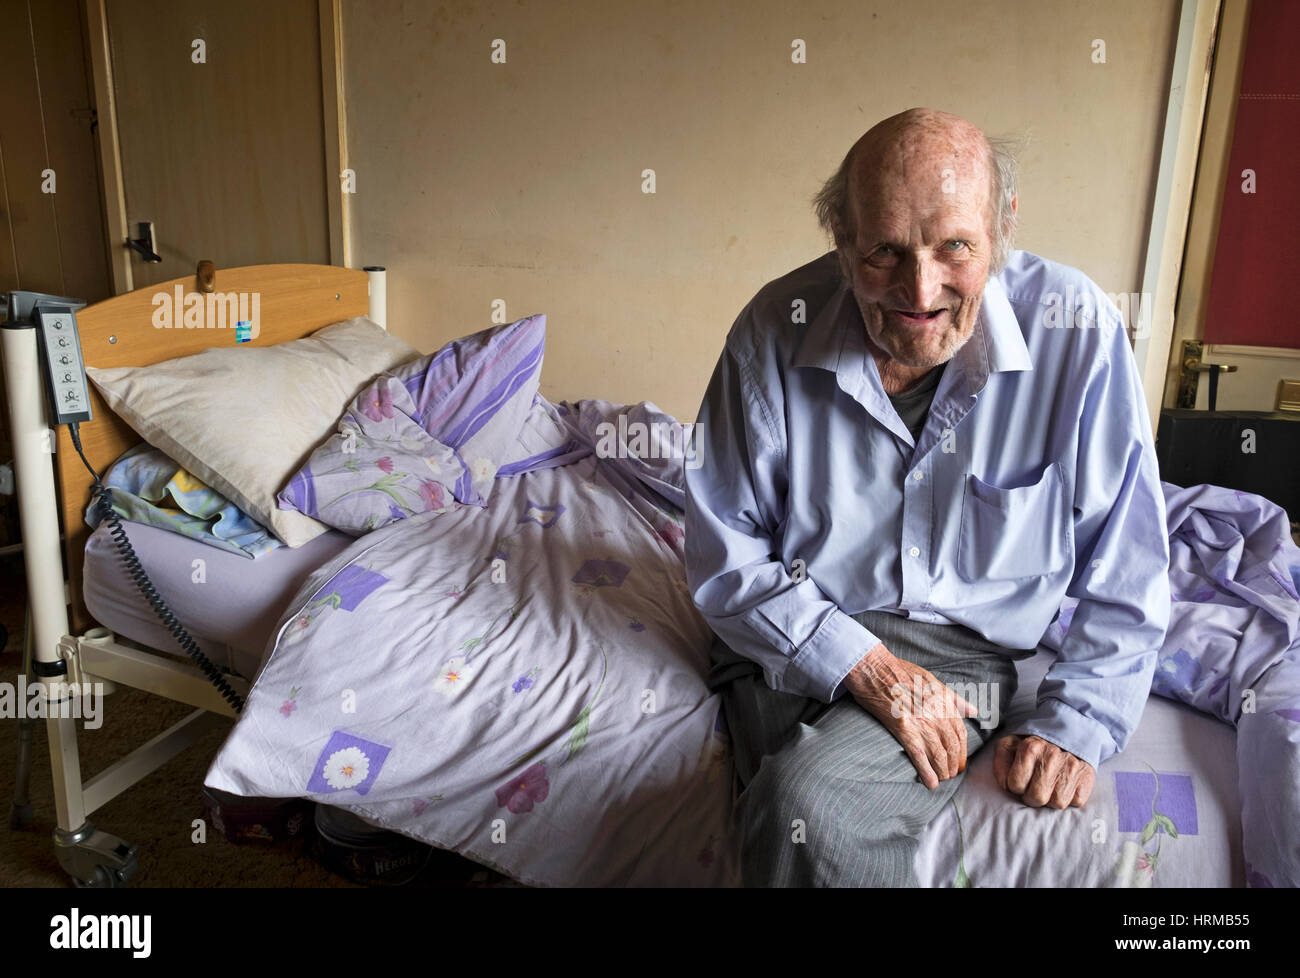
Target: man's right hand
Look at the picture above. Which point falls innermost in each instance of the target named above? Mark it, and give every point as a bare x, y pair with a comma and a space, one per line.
933, 731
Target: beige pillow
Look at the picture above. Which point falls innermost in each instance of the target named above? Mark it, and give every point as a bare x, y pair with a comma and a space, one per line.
245, 419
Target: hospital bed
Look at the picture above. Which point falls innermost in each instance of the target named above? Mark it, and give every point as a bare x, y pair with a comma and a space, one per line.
620, 775
54, 492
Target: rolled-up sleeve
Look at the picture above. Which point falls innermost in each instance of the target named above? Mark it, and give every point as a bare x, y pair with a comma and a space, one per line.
774, 615
1093, 696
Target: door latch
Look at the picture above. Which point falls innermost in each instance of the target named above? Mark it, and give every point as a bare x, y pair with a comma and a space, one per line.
144, 242
1192, 366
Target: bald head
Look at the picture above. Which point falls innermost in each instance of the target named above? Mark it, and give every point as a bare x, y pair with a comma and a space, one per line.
915, 135
937, 152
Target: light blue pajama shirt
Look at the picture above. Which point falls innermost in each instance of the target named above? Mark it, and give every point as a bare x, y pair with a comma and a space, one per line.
1034, 478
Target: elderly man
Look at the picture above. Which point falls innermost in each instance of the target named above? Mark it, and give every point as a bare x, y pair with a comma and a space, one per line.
910, 453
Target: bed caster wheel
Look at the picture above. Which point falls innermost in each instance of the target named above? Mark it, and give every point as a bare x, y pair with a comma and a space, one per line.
103, 879
95, 859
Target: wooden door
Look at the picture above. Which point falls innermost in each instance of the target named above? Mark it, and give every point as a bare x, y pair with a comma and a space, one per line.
221, 131
52, 235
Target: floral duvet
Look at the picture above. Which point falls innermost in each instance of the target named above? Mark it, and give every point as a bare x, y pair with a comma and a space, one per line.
522, 684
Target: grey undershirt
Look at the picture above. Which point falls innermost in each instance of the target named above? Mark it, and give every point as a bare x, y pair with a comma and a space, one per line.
914, 405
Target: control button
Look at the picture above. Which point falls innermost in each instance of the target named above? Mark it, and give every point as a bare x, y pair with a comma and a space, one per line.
915, 552
65, 359
63, 341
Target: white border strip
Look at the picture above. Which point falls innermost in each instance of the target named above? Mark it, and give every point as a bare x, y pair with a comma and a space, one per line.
1171, 209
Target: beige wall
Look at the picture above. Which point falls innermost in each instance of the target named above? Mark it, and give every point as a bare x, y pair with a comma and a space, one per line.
522, 181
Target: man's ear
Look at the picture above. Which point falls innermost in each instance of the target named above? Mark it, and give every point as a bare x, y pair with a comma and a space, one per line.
1015, 199
840, 235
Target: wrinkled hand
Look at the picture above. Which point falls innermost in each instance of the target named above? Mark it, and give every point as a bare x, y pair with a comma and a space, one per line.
933, 732
1042, 773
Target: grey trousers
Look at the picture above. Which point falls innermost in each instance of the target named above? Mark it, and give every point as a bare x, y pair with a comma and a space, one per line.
827, 796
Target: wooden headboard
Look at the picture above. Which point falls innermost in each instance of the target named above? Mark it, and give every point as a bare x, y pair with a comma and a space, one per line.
295, 300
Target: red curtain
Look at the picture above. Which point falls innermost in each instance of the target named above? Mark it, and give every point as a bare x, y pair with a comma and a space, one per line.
1255, 289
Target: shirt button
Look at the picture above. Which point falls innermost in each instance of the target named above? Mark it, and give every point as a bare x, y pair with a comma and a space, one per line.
915, 552
917, 475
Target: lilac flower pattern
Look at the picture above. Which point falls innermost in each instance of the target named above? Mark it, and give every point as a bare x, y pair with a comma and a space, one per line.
380, 466
526, 681
420, 805
671, 533
377, 402
601, 573
432, 495
291, 704
522, 793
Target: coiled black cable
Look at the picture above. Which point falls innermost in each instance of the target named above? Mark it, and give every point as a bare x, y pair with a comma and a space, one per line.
135, 570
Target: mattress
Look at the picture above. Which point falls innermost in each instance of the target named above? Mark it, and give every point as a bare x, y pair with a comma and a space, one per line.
228, 603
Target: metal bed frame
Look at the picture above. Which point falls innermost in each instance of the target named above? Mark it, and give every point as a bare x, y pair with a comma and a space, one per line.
295, 300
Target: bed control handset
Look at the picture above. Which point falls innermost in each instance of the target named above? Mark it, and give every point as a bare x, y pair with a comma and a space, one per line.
55, 320
65, 374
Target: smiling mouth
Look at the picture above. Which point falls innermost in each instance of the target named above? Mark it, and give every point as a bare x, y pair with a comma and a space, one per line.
910, 316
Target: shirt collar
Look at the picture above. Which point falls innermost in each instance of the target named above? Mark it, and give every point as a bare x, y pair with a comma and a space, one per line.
834, 341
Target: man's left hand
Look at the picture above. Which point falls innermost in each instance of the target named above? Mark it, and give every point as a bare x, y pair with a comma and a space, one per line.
1042, 773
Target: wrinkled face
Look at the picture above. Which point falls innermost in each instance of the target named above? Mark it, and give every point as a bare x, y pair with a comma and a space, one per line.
920, 255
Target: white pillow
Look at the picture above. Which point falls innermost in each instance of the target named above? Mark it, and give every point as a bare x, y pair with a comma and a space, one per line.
244, 419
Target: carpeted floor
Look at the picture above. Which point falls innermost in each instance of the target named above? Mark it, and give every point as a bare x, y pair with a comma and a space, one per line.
157, 815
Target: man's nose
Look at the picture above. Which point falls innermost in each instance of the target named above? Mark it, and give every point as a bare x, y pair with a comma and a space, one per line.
922, 282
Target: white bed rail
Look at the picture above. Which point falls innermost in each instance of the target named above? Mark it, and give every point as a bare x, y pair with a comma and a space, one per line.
39, 518
378, 276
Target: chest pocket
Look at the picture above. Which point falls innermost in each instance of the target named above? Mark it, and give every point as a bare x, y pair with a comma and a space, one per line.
1008, 534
